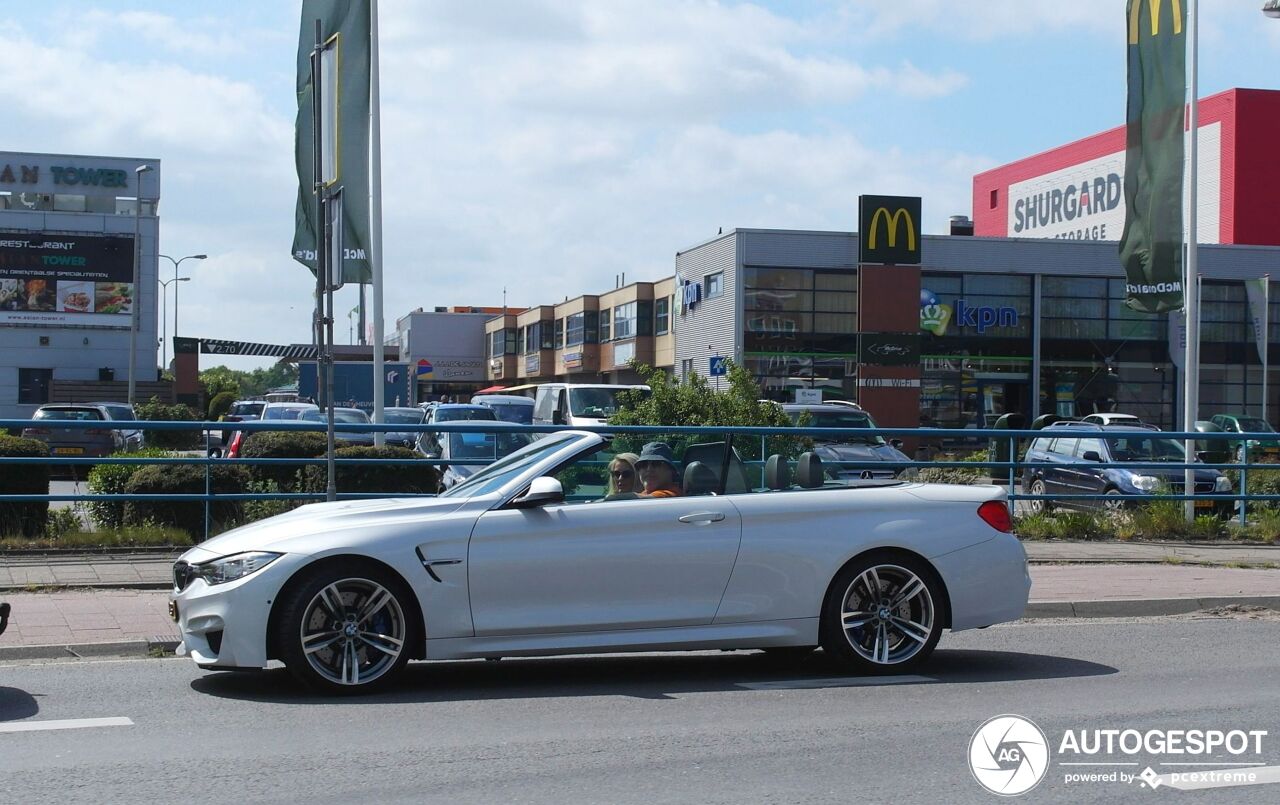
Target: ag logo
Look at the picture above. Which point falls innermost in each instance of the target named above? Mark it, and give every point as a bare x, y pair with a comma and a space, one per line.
1008, 755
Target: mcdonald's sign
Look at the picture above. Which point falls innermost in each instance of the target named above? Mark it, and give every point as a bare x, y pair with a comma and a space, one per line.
1154, 9
889, 229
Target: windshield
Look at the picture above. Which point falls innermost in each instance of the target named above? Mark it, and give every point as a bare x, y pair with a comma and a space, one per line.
500, 472
68, 413
247, 409
457, 414
349, 416
598, 403
284, 413
513, 412
1250, 424
403, 417
1145, 449
490, 446
840, 419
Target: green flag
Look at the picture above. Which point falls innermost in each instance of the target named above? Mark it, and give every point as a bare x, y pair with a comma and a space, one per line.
349, 21
1151, 246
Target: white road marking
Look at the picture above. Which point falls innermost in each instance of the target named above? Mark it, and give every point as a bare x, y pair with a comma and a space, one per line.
66, 724
836, 682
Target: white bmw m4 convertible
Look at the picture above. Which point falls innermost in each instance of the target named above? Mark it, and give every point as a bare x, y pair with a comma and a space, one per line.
561, 548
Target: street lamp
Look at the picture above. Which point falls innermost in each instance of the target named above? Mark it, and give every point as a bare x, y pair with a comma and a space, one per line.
177, 263
164, 288
137, 272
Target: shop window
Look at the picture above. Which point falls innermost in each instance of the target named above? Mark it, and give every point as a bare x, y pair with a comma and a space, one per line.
715, 285
33, 386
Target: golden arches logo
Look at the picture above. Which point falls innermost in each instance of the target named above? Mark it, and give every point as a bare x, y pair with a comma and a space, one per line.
1154, 7
891, 227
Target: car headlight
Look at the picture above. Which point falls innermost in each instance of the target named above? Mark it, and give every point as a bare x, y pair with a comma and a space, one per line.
235, 566
1222, 484
1146, 483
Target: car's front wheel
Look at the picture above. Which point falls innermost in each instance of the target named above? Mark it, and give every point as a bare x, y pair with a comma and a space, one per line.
346, 629
883, 614
1040, 506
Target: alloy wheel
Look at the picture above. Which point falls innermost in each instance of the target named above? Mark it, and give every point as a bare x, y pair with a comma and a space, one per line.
1038, 506
353, 631
887, 614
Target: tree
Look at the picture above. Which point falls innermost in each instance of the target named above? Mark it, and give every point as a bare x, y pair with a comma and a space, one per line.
693, 402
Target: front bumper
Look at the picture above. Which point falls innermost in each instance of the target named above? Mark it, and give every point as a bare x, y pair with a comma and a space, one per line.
225, 625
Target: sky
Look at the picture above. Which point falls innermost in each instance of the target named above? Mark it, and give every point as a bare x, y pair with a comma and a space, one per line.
546, 146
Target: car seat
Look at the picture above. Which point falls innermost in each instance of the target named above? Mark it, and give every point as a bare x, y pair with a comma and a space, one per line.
699, 479
809, 472
777, 474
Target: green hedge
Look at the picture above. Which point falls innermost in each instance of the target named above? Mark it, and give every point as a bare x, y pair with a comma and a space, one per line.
388, 478
174, 479
24, 519
281, 444
113, 479
157, 411
220, 404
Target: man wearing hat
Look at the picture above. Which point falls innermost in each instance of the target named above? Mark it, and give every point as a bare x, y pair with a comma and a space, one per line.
657, 471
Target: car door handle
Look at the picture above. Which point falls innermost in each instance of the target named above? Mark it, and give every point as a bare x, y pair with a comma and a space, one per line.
701, 518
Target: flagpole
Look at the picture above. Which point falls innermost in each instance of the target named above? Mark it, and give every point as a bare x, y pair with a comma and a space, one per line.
1190, 285
375, 219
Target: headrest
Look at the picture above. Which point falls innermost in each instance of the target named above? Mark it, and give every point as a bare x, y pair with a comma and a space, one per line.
809, 470
777, 475
699, 479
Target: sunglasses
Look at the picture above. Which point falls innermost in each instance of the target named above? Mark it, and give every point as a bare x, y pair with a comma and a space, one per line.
621, 473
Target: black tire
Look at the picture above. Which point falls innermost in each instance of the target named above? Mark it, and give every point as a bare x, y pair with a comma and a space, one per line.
1039, 506
1114, 501
308, 608
923, 610
785, 656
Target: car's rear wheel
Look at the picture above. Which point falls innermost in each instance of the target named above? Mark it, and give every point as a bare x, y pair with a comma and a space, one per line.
1039, 506
346, 630
883, 614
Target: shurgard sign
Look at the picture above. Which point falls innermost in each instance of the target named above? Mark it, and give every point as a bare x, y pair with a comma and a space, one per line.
66, 279
889, 229
1151, 244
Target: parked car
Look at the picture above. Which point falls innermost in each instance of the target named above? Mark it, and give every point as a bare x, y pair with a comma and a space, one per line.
508, 407
402, 416
343, 416
64, 441
473, 447
272, 411
525, 558
1241, 423
857, 455
578, 405
1084, 458
428, 441
1117, 419
131, 439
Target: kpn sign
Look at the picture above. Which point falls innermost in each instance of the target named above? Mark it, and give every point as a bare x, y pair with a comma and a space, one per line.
936, 316
889, 230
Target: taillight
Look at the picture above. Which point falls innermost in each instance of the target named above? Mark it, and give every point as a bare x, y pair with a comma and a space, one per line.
36, 431
996, 514
234, 450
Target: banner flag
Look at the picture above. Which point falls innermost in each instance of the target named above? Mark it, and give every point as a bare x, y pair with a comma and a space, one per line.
1151, 244
348, 21
1257, 291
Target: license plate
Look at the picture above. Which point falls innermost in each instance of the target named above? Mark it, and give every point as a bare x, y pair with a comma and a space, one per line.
68, 451
1204, 504
173, 610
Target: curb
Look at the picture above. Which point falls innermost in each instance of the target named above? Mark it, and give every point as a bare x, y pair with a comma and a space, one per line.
85, 585
1143, 607
140, 647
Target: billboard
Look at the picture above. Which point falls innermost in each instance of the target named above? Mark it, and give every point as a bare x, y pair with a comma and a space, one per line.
66, 279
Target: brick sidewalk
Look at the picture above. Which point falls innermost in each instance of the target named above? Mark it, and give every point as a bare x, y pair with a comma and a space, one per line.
73, 617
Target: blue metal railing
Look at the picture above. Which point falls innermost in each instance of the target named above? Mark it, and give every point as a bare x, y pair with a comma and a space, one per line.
1007, 472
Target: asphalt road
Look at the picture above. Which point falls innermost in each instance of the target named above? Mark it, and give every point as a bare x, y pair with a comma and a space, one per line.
707, 727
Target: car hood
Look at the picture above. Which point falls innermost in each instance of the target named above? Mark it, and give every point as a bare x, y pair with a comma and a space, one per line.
297, 531
847, 453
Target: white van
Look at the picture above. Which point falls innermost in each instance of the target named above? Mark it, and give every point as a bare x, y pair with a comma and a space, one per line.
577, 404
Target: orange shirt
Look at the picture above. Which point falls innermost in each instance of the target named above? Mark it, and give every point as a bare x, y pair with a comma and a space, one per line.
669, 492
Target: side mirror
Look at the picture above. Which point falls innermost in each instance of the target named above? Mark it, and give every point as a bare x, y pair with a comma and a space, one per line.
557, 418
1091, 455
897, 443
542, 491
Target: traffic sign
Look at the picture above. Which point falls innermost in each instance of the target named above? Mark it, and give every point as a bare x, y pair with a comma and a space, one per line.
719, 366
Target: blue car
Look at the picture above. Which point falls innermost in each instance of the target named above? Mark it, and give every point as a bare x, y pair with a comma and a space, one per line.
1082, 458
